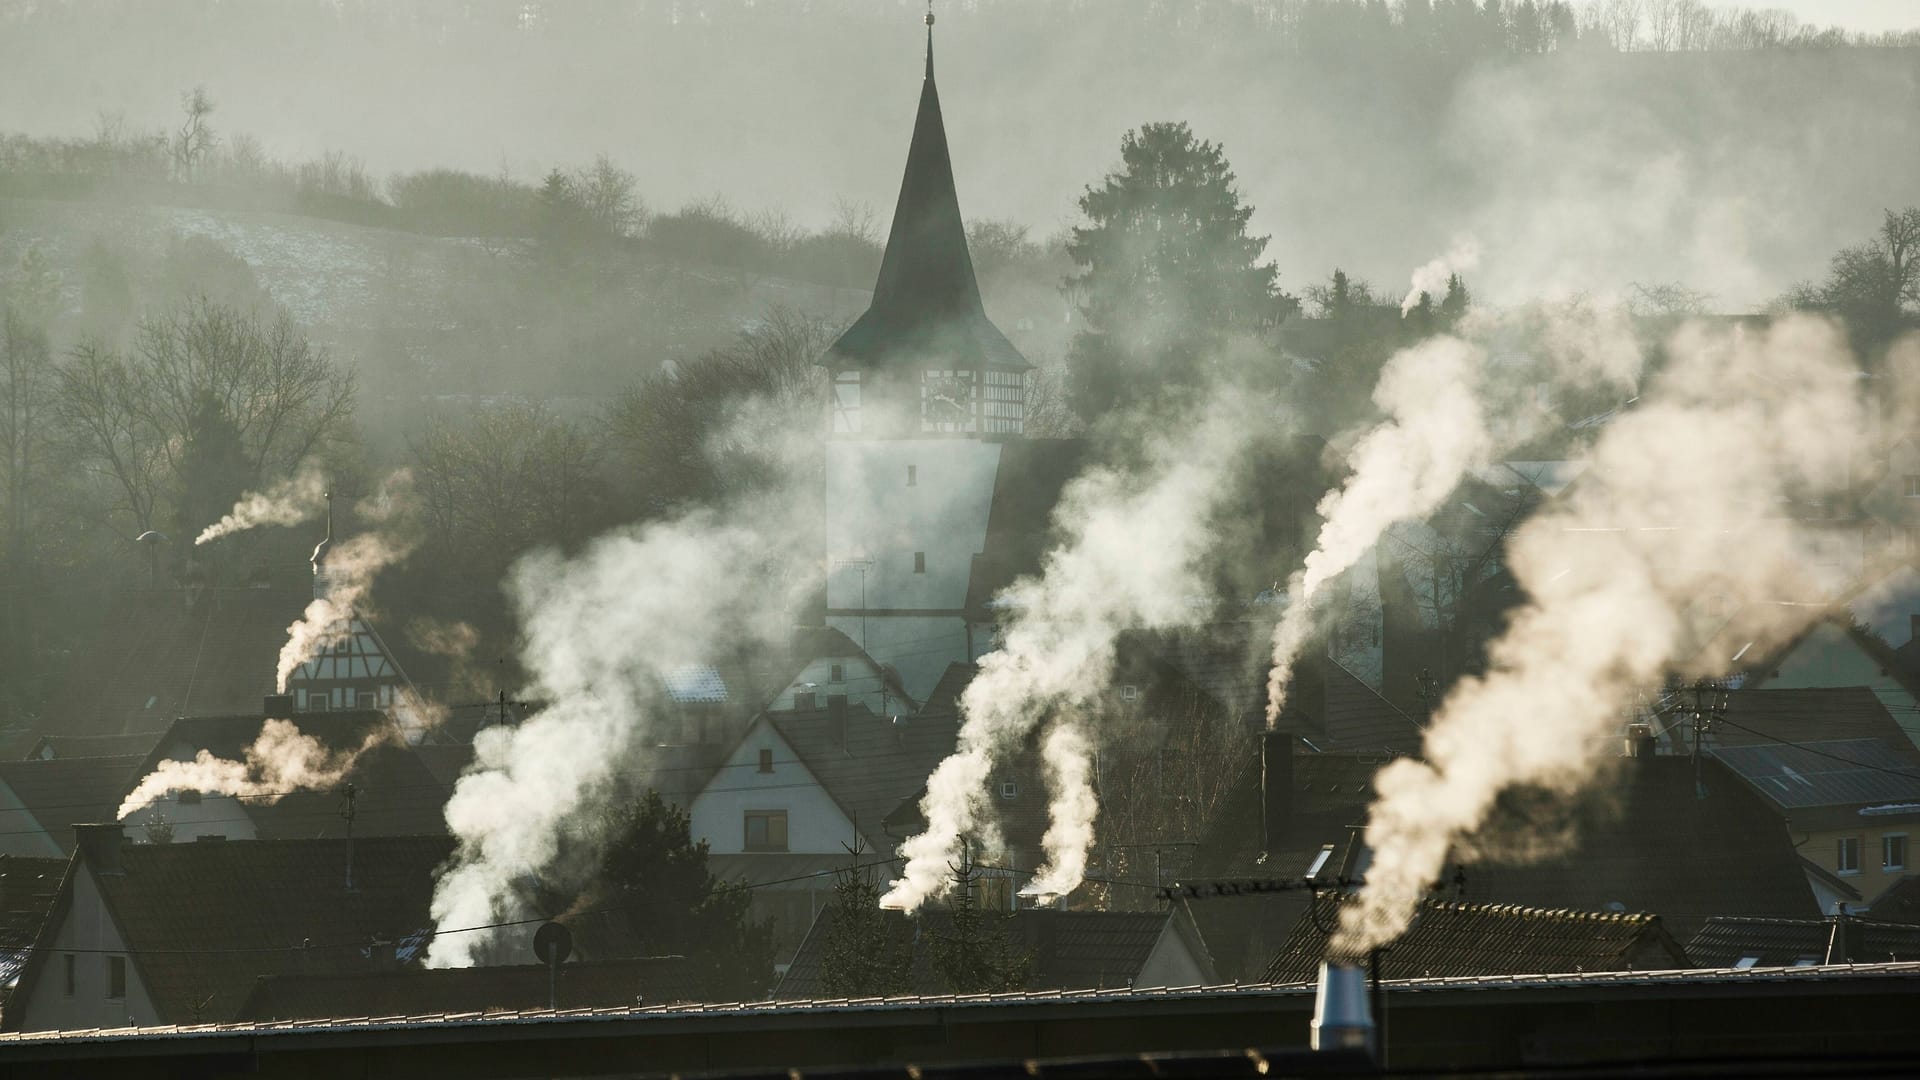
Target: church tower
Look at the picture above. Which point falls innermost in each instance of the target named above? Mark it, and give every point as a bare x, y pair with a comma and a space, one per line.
925, 394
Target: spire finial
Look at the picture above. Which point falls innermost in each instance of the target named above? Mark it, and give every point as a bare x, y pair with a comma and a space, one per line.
929, 22
329, 498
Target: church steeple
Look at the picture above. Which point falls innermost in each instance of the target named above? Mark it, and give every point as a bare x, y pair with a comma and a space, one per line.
926, 302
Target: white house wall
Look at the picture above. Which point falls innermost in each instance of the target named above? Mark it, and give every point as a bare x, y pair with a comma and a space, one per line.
859, 680
20, 832
1170, 963
89, 934
815, 823
211, 815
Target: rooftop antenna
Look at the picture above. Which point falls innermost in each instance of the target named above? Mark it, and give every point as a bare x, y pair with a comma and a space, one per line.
929, 22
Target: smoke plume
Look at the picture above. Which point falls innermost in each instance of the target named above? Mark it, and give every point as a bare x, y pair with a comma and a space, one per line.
280, 761
288, 502
599, 632
1131, 557
1431, 279
349, 568
1435, 430
1681, 504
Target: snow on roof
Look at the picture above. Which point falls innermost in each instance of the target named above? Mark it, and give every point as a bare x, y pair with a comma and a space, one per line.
695, 683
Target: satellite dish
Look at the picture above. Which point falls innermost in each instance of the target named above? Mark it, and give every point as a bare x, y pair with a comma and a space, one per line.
552, 943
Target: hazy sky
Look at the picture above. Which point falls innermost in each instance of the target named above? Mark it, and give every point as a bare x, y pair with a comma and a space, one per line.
1867, 15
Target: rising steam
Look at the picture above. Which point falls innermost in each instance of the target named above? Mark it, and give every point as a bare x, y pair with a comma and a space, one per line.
1681, 504
1431, 279
288, 502
1134, 540
1435, 430
600, 630
349, 570
280, 761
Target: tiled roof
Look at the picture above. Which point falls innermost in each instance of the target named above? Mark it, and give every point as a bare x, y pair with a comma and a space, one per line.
163, 653
202, 921
396, 793
1455, 940
27, 891
513, 988
1644, 840
1071, 950
136, 743
58, 793
869, 764
1773, 716
1731, 942
1827, 772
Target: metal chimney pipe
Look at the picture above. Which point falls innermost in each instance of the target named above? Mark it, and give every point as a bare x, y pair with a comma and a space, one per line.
1342, 1019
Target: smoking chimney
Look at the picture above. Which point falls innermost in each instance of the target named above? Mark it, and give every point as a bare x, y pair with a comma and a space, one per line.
1640, 741
278, 707
1276, 787
1342, 1019
100, 846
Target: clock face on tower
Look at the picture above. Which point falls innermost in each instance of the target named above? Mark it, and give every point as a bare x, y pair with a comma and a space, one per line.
947, 401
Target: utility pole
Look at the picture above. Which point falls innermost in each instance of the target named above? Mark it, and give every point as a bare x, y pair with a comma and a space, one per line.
352, 794
1709, 702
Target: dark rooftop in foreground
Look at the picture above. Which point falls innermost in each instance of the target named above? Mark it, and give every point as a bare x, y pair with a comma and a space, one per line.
509, 988
1735, 942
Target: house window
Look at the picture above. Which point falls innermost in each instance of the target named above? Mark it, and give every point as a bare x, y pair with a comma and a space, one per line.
1129, 692
1913, 485
803, 700
1848, 861
317, 703
839, 674
766, 830
919, 562
1010, 789
71, 979
766, 761
913, 476
1005, 404
846, 403
116, 977
1893, 852
369, 700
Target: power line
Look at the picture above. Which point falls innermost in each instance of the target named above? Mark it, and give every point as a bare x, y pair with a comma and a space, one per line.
1818, 752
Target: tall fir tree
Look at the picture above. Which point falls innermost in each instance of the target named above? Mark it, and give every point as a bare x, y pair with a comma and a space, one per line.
869, 952
973, 951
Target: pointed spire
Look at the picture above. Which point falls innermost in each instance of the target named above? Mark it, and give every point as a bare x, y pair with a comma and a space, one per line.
927, 300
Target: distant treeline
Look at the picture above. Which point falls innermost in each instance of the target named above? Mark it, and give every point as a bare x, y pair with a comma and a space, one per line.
1471, 27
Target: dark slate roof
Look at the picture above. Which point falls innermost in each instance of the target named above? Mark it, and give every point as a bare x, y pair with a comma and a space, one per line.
515, 988
1827, 772
1772, 716
396, 793
1071, 950
1026, 487
135, 743
1642, 839
60, 792
1448, 940
1726, 942
202, 921
27, 890
164, 653
869, 764
926, 302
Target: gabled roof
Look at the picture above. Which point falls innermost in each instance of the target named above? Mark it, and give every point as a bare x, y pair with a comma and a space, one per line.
202, 921
1899, 902
1842, 773
165, 653
133, 743
1071, 950
58, 793
395, 792
595, 984
1757, 716
868, 764
27, 891
1760, 670
1733, 942
1448, 940
926, 303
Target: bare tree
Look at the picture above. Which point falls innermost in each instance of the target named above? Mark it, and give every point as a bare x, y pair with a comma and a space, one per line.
504, 479
606, 192
27, 384
196, 139
102, 404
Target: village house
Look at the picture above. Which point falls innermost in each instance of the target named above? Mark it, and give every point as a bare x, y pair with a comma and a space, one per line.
41, 799
1729, 942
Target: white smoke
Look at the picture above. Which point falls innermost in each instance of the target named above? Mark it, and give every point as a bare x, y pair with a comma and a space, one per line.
280, 761
1131, 558
1681, 504
349, 568
1431, 279
600, 629
288, 502
1434, 432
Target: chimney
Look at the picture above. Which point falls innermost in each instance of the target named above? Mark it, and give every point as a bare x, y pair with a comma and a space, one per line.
99, 846
384, 955
278, 707
1341, 1018
1640, 741
1847, 942
1276, 786
837, 718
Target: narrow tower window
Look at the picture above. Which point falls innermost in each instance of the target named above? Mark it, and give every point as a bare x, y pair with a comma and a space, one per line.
913, 476
919, 562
